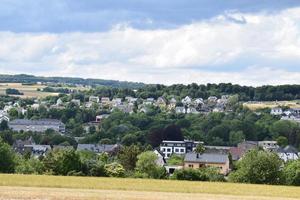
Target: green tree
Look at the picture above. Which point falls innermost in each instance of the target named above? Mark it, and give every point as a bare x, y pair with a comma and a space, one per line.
236, 137
30, 166
258, 166
282, 141
7, 158
128, 156
147, 165
61, 162
200, 149
291, 173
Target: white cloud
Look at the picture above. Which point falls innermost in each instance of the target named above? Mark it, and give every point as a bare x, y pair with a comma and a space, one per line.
199, 52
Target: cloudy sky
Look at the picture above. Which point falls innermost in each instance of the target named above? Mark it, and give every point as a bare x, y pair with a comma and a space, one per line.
250, 42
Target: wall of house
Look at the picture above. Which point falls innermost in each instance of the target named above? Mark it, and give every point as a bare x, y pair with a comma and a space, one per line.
223, 167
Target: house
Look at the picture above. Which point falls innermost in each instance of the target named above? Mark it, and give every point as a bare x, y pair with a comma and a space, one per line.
94, 99
35, 106
291, 118
76, 101
105, 101
186, 101
288, 153
160, 158
149, 101
268, 145
242, 148
19, 145
37, 150
99, 148
212, 99
191, 110
276, 111
172, 103
59, 102
130, 99
196, 161
177, 147
161, 102
37, 125
124, 108
4, 116
116, 102
99, 118
198, 102
180, 109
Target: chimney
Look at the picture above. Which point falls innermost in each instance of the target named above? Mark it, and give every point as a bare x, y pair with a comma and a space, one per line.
197, 155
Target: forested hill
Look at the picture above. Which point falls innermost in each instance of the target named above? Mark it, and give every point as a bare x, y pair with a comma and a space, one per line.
23, 78
246, 93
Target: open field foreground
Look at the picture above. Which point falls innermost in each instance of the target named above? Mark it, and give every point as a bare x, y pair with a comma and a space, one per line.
56, 187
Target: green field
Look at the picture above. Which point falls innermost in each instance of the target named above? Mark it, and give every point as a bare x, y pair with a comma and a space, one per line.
57, 187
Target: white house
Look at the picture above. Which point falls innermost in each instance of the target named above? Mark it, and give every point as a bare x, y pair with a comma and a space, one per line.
186, 101
288, 153
160, 158
4, 116
276, 111
94, 99
177, 147
180, 109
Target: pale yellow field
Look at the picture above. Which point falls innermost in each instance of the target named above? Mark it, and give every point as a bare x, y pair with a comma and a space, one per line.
57, 187
272, 104
30, 91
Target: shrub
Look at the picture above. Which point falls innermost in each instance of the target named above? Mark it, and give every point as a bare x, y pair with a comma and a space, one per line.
114, 170
291, 173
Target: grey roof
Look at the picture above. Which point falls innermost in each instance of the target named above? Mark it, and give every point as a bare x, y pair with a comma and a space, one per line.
99, 148
36, 122
206, 158
290, 149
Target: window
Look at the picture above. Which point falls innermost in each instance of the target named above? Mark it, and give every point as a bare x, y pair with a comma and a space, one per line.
191, 166
168, 150
176, 150
182, 150
163, 149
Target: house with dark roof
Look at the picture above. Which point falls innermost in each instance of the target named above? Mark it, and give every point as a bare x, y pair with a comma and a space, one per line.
288, 153
168, 147
40, 125
37, 150
99, 148
196, 161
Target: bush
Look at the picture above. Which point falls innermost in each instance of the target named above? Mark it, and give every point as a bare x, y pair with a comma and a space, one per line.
190, 175
258, 166
291, 173
114, 170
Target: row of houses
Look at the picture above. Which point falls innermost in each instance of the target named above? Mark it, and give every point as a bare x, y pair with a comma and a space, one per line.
291, 114
40, 125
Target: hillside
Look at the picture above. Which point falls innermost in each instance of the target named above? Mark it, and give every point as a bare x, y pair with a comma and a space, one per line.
23, 78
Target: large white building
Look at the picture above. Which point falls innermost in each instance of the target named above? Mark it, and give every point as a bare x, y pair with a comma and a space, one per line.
167, 148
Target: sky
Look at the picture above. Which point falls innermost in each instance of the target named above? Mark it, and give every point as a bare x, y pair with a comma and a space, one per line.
247, 42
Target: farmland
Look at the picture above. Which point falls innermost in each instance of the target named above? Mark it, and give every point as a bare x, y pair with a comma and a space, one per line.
57, 187
272, 104
30, 91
